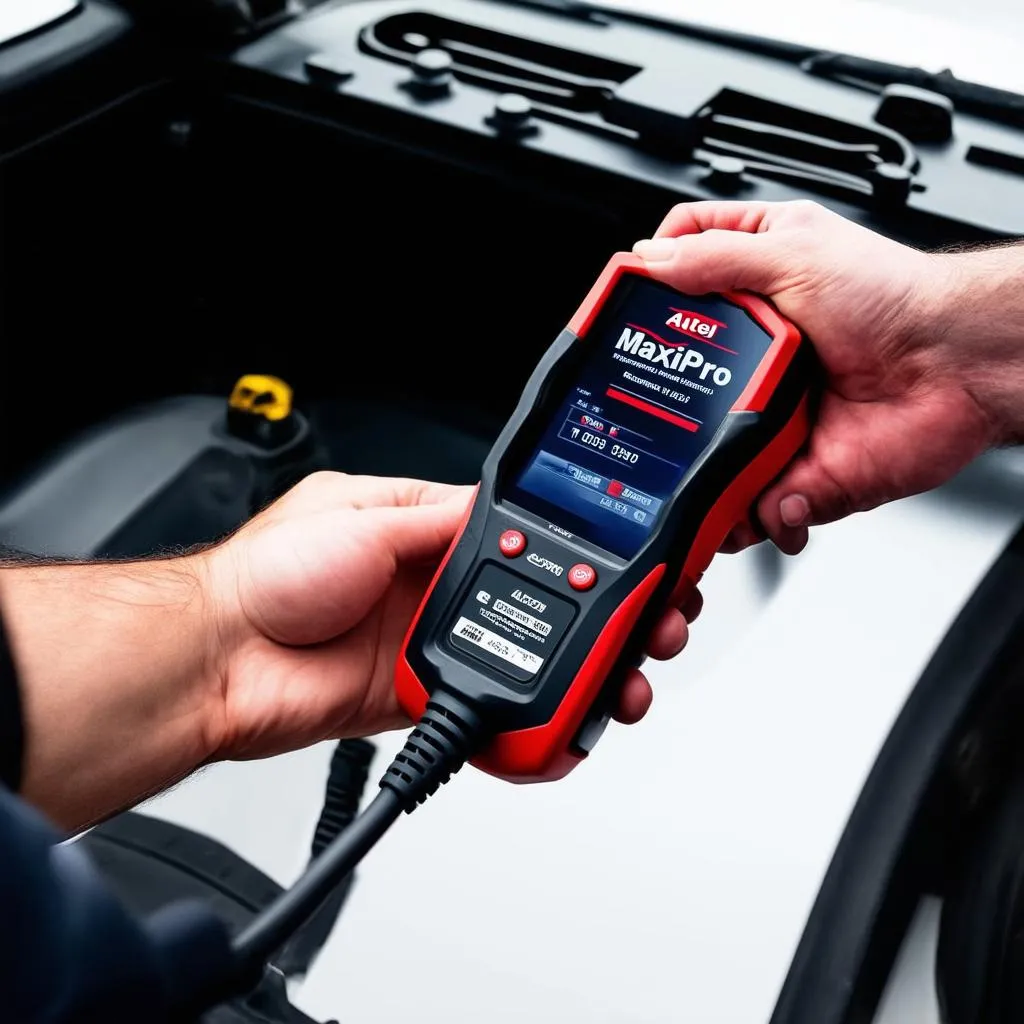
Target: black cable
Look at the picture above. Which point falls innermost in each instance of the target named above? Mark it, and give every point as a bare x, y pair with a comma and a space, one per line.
438, 746
346, 780
256, 943
343, 791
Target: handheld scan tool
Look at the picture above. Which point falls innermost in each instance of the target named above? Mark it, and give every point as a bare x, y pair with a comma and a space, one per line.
647, 432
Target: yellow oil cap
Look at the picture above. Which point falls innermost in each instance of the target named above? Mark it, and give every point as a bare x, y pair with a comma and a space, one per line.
260, 395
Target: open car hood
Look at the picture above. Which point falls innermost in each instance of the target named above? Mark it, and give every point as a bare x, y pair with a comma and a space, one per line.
19, 17
985, 50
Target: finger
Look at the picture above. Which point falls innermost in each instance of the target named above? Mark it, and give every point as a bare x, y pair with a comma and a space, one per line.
792, 540
634, 699
669, 636
730, 215
327, 490
787, 512
740, 538
692, 606
715, 261
807, 494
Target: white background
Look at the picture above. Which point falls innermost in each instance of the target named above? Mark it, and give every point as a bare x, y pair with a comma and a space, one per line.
670, 877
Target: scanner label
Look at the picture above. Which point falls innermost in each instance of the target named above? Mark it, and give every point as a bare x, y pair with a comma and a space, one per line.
505, 649
518, 615
507, 626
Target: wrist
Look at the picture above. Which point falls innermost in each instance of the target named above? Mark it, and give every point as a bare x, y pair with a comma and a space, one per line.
972, 324
118, 668
228, 631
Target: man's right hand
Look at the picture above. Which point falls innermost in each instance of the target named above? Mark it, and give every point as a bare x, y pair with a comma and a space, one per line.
920, 350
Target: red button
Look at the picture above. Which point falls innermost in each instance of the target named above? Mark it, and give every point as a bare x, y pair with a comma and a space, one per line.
582, 576
511, 543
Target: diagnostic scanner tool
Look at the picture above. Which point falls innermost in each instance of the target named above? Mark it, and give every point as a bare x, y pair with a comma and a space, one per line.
647, 432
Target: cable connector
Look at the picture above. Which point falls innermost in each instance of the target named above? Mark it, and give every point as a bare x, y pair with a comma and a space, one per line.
440, 744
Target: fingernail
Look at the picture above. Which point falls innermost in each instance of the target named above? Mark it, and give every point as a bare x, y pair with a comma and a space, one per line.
795, 510
655, 250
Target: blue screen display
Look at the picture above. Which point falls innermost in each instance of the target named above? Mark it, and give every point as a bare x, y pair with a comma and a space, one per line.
660, 372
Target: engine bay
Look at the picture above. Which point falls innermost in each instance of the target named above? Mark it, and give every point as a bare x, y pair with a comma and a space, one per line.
190, 193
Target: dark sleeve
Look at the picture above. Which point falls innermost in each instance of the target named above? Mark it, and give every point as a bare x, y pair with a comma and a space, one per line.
11, 739
69, 952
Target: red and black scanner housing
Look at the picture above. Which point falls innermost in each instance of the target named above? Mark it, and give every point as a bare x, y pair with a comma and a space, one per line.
541, 724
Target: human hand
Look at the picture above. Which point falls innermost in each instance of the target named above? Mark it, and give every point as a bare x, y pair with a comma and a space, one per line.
314, 598
900, 413
133, 674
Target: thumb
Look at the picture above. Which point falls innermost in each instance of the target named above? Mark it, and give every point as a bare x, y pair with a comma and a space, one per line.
714, 261
313, 577
419, 532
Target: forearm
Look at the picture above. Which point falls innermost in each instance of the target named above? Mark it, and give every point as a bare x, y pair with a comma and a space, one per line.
977, 327
116, 667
